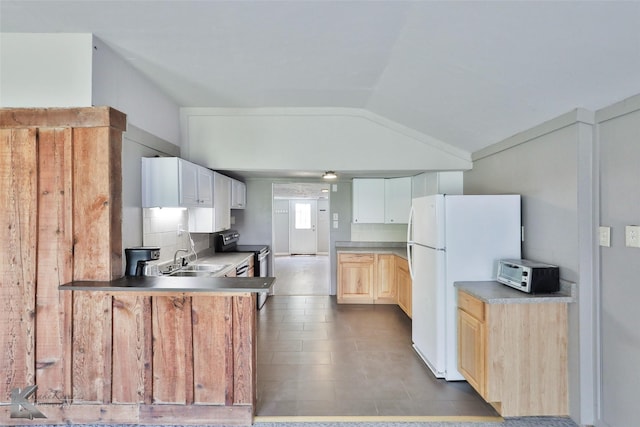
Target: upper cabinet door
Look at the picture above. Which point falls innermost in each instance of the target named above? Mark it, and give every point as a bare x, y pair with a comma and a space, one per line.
221, 201
397, 195
238, 194
188, 183
205, 187
368, 200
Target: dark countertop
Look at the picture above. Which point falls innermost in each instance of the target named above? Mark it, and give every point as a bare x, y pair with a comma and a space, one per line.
493, 292
153, 284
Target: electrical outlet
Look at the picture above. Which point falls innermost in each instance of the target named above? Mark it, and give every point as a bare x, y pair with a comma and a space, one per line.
605, 236
632, 236
180, 230
522, 233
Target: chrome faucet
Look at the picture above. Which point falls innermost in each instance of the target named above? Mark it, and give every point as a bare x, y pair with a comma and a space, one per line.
175, 257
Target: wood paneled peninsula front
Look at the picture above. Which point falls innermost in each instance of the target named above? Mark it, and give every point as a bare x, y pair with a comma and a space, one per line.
165, 350
512, 347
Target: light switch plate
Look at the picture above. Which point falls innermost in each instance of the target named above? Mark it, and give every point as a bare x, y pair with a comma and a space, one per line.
605, 236
632, 236
335, 224
335, 216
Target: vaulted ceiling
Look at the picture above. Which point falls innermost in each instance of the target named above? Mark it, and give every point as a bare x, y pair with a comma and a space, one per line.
467, 73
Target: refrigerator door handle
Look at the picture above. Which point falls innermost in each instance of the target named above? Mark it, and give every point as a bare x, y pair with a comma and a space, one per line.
409, 242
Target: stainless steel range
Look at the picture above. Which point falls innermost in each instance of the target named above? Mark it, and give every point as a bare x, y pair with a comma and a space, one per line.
227, 241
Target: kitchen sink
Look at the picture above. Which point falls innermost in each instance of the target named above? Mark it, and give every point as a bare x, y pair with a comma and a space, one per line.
214, 268
199, 270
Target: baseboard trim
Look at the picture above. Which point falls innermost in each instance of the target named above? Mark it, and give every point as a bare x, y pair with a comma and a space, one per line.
374, 419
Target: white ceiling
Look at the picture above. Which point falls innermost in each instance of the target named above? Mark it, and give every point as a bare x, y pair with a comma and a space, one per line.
467, 73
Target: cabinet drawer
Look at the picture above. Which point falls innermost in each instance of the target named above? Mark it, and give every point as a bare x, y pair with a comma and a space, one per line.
471, 305
346, 257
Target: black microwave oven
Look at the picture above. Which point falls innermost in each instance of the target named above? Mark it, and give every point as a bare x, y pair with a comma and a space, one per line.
529, 276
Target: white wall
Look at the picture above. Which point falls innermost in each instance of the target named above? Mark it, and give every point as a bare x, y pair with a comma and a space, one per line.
378, 232
79, 70
117, 84
619, 150
551, 167
45, 70
315, 139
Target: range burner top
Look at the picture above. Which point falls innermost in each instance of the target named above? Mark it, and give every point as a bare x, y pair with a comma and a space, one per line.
252, 248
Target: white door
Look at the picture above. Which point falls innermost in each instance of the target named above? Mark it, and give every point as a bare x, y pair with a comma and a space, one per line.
303, 219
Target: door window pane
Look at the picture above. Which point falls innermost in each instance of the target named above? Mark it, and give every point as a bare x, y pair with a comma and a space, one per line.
303, 216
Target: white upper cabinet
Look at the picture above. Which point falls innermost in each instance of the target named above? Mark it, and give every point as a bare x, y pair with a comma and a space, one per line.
238, 194
397, 200
205, 187
368, 200
221, 201
381, 201
174, 182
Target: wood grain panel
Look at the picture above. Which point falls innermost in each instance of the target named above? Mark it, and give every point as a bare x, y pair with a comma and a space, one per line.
527, 358
212, 337
95, 205
55, 265
132, 349
115, 193
137, 414
18, 220
196, 415
172, 351
92, 328
385, 288
244, 347
63, 117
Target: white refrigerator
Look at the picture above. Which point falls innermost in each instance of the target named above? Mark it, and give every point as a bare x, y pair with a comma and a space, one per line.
450, 239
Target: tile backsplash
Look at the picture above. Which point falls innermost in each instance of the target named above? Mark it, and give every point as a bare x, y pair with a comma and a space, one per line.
167, 228
378, 232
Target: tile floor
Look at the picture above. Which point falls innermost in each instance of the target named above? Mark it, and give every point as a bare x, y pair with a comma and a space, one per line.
318, 358
302, 275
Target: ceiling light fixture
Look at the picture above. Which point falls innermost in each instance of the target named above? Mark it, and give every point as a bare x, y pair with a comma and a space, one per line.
329, 175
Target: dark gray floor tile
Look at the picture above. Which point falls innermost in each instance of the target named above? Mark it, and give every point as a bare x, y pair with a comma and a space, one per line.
301, 358
317, 357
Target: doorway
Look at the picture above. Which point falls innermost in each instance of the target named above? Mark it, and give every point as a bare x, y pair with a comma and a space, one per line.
301, 238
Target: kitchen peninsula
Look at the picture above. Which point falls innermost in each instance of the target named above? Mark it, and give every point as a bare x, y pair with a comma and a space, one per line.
166, 350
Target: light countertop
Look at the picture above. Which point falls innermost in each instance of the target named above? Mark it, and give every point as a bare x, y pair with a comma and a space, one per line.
396, 248
493, 292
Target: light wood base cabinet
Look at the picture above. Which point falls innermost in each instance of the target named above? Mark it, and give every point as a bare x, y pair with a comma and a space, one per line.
385, 281
372, 278
355, 278
403, 283
515, 355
